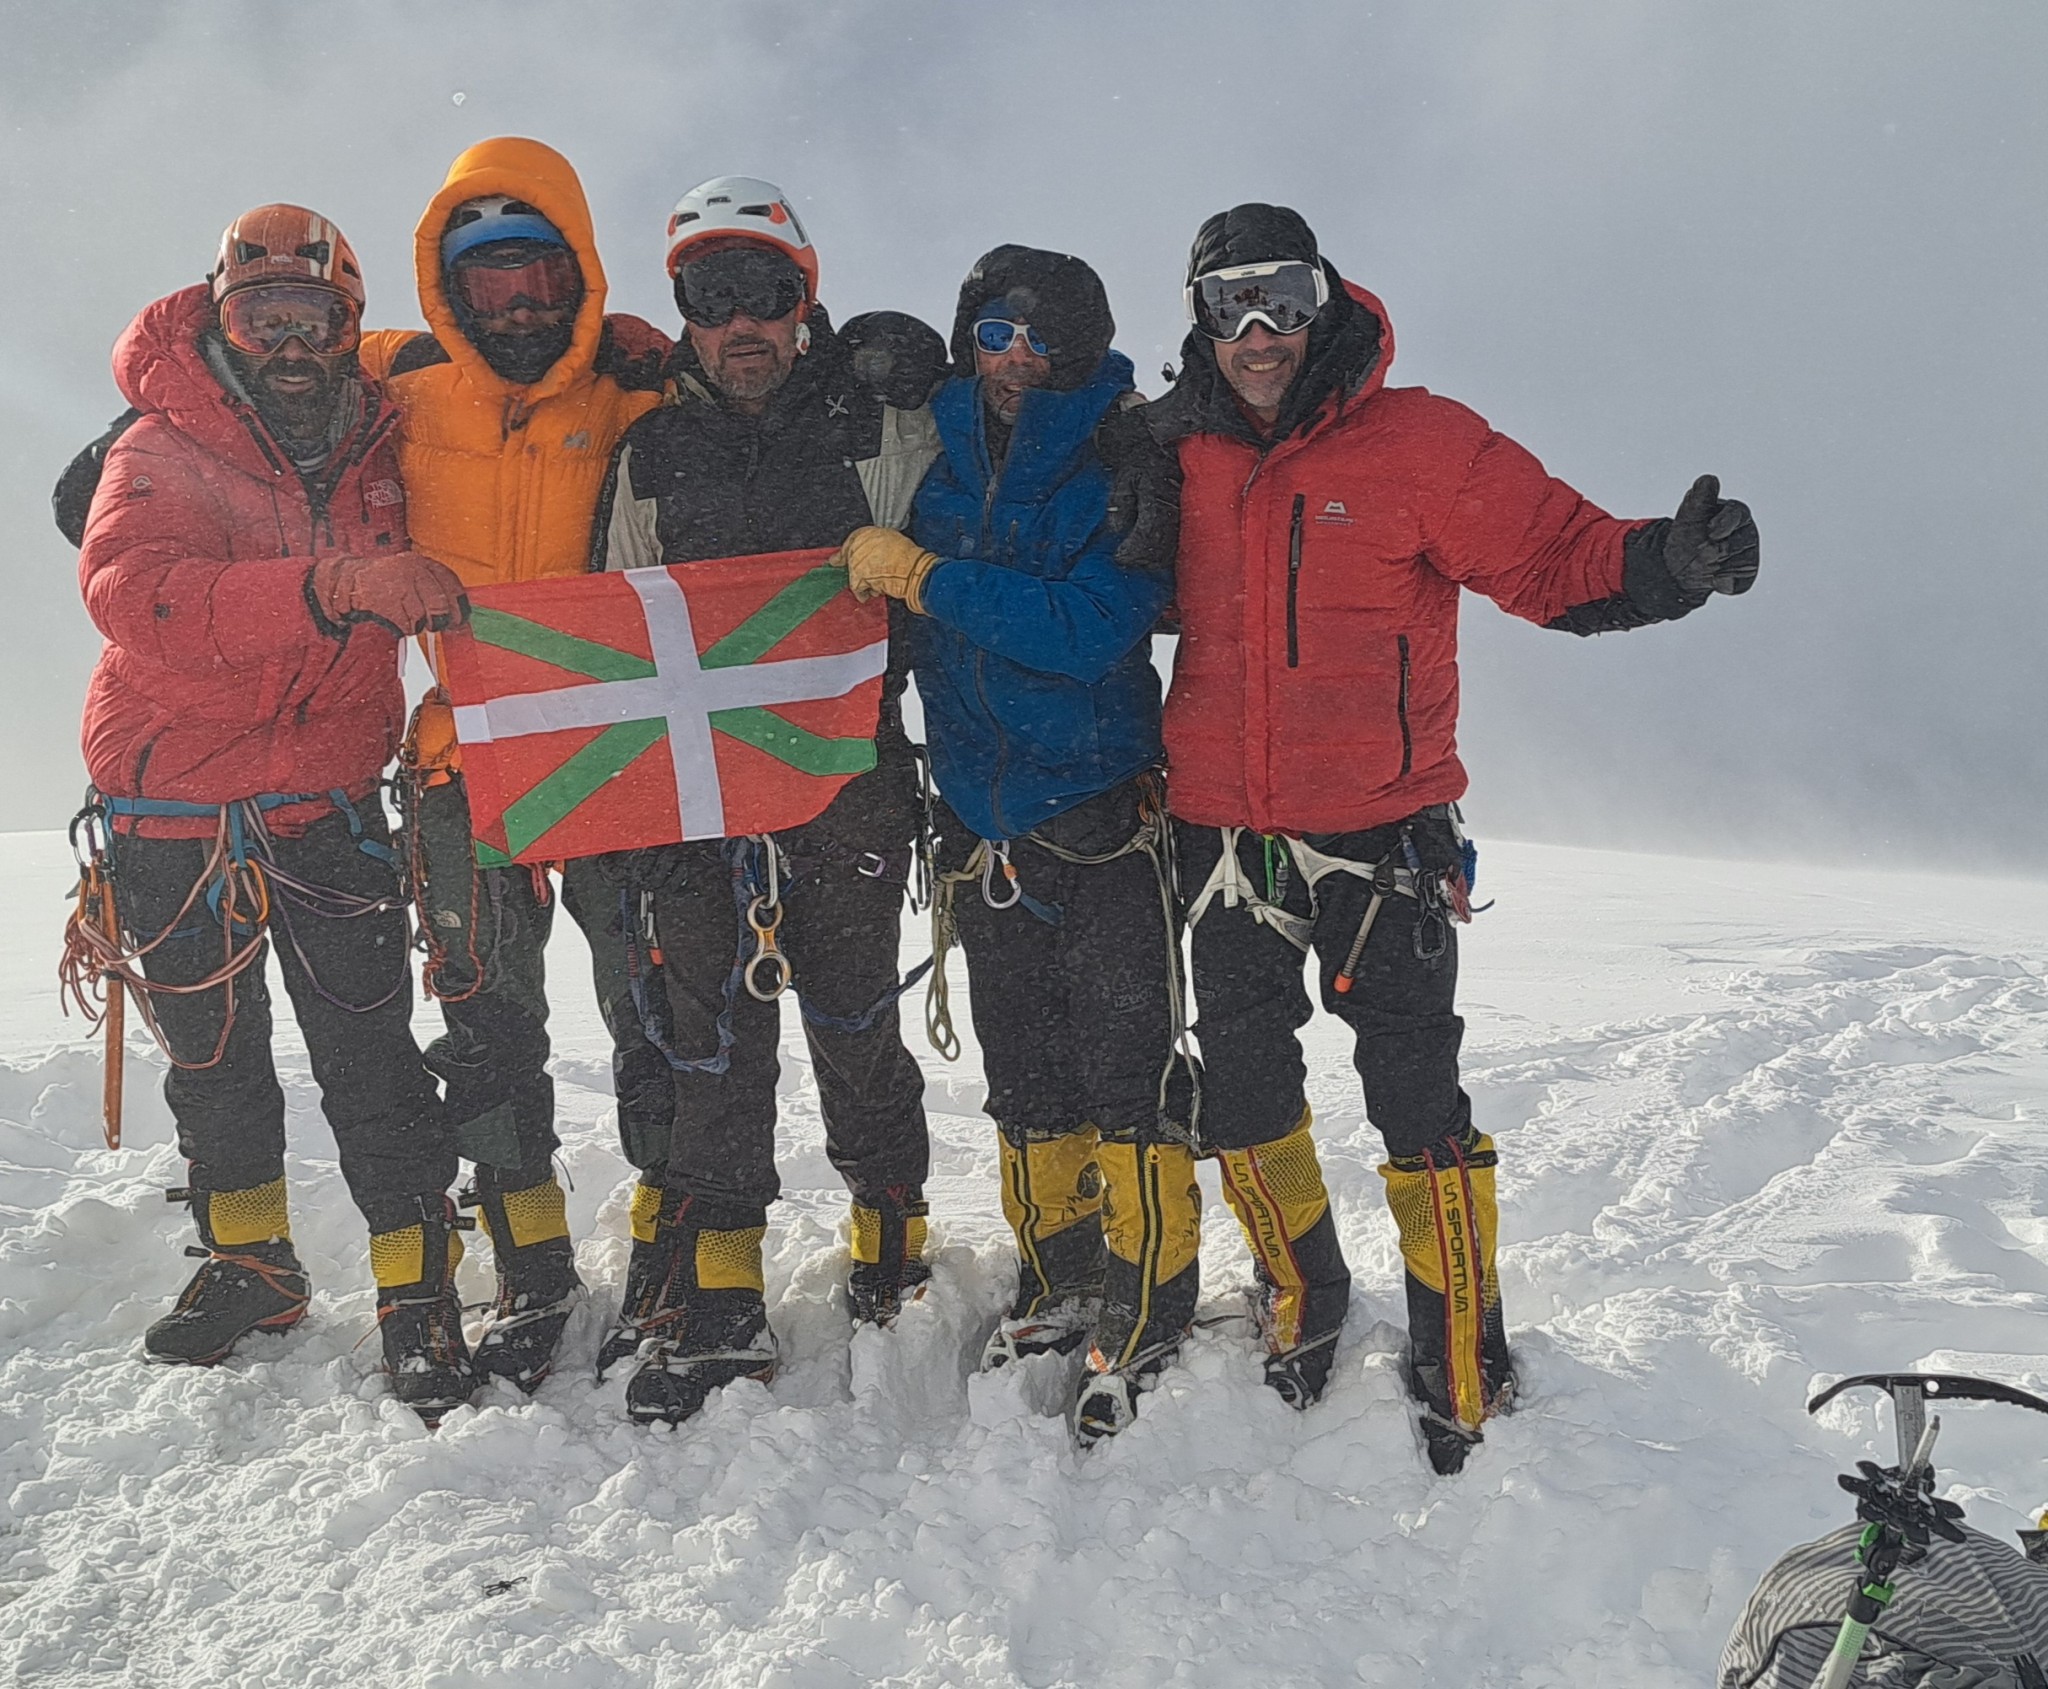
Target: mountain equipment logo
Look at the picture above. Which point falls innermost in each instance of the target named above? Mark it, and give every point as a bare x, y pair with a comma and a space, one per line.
1335, 513
609, 712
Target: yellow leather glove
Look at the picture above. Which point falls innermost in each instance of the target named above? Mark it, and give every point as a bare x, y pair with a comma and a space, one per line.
882, 560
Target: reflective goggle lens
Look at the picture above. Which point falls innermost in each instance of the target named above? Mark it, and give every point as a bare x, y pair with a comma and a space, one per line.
1285, 297
995, 337
547, 282
740, 282
258, 320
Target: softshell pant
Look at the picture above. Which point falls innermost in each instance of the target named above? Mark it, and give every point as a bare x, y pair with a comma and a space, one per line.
1250, 1002
1073, 1004
350, 983
493, 1056
839, 930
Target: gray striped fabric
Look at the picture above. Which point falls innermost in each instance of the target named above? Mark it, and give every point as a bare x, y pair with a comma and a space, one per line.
1962, 1618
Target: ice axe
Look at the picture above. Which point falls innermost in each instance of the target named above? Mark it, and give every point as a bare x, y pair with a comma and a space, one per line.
1897, 1504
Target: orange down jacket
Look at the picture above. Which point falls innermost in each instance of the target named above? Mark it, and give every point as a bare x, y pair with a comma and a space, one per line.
502, 480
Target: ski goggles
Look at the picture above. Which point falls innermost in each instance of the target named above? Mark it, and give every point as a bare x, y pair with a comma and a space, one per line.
258, 320
1285, 296
742, 281
551, 280
995, 336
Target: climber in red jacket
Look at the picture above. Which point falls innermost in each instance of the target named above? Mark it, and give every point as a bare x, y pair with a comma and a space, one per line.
1328, 522
246, 559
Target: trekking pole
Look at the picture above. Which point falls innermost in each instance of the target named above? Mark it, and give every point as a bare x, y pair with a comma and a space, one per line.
117, 1019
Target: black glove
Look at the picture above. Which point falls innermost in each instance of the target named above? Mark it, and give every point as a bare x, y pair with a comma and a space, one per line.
896, 357
1711, 544
1144, 491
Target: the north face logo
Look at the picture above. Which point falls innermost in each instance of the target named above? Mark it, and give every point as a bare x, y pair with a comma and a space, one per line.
577, 442
383, 493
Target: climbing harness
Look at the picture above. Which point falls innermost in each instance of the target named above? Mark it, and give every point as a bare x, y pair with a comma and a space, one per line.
243, 887
990, 858
1443, 896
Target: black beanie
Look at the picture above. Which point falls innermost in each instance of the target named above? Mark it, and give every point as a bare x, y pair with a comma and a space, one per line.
1060, 297
1252, 234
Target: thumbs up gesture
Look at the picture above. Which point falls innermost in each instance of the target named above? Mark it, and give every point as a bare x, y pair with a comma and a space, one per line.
1711, 545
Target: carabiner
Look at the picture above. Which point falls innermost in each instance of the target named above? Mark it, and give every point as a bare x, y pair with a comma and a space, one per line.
996, 853
764, 917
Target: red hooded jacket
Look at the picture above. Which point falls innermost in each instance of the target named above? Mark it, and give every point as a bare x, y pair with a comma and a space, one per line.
1316, 687
216, 682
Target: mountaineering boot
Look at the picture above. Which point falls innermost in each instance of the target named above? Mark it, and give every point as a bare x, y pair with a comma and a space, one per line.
1303, 1291
889, 1268
537, 1282
711, 1330
418, 1315
1052, 1197
250, 1278
1458, 1368
1152, 1223
648, 1301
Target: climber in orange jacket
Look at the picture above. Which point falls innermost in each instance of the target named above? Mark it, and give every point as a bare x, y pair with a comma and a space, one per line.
512, 402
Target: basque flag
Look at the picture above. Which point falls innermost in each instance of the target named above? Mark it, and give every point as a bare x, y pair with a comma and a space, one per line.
700, 701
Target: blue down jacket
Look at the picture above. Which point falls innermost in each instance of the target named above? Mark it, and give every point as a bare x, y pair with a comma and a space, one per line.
1033, 659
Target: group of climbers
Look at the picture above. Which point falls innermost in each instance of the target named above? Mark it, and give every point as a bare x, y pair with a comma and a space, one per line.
291, 497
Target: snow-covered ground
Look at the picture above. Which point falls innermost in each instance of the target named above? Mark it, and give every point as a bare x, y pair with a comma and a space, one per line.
1759, 1127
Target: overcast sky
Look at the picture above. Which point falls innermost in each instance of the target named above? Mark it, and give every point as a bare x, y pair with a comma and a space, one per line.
1800, 245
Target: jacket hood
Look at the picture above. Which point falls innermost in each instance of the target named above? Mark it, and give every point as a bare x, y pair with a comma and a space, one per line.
161, 368
1350, 349
1060, 296
536, 173
1052, 430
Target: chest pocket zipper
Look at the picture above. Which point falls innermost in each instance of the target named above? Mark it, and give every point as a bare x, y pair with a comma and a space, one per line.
1407, 737
1294, 587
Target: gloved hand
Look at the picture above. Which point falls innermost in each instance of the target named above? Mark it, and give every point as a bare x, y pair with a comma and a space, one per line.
882, 560
1711, 545
1144, 494
405, 592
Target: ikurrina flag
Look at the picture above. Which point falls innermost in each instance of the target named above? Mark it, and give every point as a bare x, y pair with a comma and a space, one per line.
701, 701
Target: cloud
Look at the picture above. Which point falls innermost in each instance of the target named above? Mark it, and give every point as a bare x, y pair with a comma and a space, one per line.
1796, 246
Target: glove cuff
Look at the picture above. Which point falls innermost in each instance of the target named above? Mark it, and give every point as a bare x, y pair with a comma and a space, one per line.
913, 585
1647, 579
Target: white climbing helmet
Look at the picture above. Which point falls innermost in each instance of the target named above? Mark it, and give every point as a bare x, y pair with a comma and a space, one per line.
740, 208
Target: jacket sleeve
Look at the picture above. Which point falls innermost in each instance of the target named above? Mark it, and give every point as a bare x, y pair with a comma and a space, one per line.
1523, 538
1080, 626
625, 534
156, 576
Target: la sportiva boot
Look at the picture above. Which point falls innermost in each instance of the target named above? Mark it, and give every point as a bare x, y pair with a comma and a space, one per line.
1303, 1289
1458, 1369
713, 1329
889, 1268
249, 1277
1152, 1223
1052, 1197
418, 1315
537, 1283
649, 1300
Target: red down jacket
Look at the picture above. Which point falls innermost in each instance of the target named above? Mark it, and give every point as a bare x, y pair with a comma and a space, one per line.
215, 682
1316, 686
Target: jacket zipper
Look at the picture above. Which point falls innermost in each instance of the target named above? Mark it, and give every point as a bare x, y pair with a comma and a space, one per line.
1407, 737
1294, 592
995, 785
